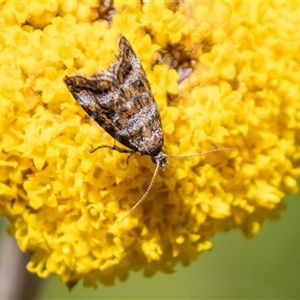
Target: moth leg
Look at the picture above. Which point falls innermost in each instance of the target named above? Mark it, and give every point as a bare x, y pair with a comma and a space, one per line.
121, 150
128, 157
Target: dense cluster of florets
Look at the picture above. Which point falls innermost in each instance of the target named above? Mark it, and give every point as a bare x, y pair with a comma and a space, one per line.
239, 72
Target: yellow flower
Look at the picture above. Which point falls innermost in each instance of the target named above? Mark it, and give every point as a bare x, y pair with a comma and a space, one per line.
168, 26
239, 62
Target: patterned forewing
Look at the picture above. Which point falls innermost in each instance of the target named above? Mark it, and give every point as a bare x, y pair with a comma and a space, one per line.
95, 96
121, 102
139, 122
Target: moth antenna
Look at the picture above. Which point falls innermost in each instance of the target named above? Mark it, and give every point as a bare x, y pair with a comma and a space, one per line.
201, 153
145, 194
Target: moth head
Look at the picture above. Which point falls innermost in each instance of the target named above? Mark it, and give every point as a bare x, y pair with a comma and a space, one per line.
160, 159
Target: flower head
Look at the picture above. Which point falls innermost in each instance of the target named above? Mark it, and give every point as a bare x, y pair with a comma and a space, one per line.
238, 73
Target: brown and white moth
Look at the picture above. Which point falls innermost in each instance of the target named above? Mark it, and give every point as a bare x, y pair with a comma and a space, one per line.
121, 102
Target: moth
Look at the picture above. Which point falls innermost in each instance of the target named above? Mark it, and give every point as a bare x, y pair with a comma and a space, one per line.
120, 100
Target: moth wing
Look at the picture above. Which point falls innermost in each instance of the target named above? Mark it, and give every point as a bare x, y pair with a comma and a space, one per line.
88, 90
140, 123
121, 102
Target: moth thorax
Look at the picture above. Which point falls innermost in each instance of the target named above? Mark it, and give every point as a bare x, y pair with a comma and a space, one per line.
160, 159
